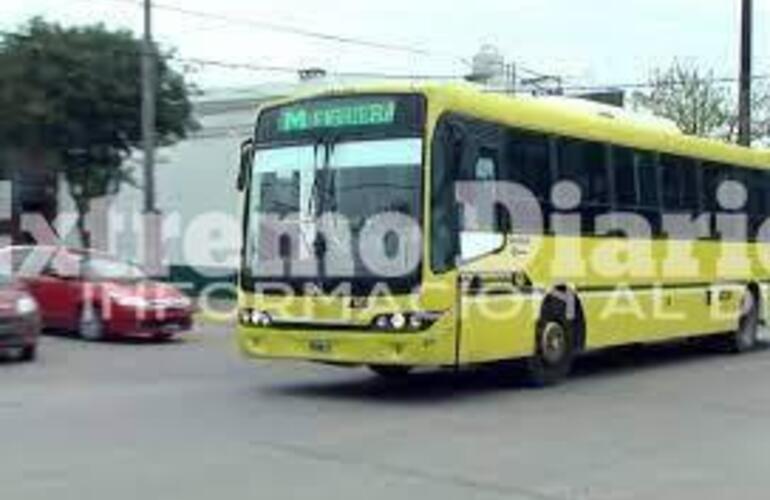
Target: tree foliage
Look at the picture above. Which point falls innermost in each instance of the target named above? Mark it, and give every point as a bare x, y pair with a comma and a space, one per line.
75, 93
689, 97
700, 104
760, 120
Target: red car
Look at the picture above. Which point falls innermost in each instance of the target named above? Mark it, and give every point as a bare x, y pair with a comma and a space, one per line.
99, 296
19, 321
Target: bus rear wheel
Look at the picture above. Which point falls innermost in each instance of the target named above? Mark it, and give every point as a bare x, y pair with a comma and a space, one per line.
391, 371
744, 338
554, 352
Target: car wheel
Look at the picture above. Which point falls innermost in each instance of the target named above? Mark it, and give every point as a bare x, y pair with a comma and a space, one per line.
554, 352
28, 353
91, 324
391, 372
744, 338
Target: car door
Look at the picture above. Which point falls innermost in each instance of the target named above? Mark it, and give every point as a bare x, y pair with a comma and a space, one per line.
58, 291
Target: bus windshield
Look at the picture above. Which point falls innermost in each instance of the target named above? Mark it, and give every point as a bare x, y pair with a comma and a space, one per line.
318, 205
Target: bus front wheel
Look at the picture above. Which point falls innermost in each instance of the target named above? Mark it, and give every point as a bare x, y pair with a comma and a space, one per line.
554, 352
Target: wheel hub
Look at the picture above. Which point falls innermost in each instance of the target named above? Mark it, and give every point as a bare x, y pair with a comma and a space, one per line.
553, 343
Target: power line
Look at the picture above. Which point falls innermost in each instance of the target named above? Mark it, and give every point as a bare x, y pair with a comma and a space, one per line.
293, 30
265, 68
258, 67
320, 35
283, 28
292, 69
647, 85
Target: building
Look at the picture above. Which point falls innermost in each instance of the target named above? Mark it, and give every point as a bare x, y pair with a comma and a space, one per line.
26, 185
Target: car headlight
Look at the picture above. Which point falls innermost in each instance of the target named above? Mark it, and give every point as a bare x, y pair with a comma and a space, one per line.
26, 305
130, 301
183, 303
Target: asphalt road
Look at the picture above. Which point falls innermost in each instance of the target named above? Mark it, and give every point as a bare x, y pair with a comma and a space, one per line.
192, 420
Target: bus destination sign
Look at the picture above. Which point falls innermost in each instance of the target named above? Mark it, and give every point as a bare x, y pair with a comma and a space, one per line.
337, 114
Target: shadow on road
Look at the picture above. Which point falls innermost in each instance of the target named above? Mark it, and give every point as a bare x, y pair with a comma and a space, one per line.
138, 341
436, 386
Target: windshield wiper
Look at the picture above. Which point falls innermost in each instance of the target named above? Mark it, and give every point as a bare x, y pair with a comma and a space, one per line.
319, 194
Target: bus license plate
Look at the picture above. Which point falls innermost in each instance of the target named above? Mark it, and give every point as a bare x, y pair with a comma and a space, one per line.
320, 346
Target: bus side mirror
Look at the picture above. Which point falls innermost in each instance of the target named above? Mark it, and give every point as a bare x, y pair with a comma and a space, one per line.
247, 159
503, 219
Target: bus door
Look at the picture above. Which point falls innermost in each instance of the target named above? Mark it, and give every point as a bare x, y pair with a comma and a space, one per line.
494, 313
497, 319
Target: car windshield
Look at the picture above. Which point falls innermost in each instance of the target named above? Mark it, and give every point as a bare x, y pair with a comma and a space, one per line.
12, 262
5, 278
355, 181
105, 268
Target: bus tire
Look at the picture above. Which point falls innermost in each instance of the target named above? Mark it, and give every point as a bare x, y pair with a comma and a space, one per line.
391, 372
554, 349
745, 337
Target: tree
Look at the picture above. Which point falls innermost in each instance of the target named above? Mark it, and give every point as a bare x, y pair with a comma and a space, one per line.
74, 93
760, 116
687, 96
700, 104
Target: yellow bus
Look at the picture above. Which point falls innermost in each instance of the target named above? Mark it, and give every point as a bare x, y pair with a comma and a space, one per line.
409, 225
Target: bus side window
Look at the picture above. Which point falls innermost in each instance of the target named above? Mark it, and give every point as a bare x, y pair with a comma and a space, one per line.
710, 180
585, 164
480, 222
486, 167
649, 190
485, 170
679, 178
626, 179
527, 163
447, 151
762, 186
755, 186
743, 177
635, 175
752, 180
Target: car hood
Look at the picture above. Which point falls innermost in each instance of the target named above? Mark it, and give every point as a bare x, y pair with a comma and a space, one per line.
146, 289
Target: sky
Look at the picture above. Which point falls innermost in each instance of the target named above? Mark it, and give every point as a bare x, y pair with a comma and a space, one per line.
590, 42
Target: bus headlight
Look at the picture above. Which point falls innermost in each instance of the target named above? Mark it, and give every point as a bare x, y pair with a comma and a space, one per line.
405, 322
382, 322
261, 318
415, 322
398, 321
254, 317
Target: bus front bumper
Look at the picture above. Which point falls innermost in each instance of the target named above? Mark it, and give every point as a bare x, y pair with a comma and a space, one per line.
435, 347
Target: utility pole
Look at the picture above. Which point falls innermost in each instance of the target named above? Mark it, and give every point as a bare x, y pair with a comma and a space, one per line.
152, 222
148, 110
744, 111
